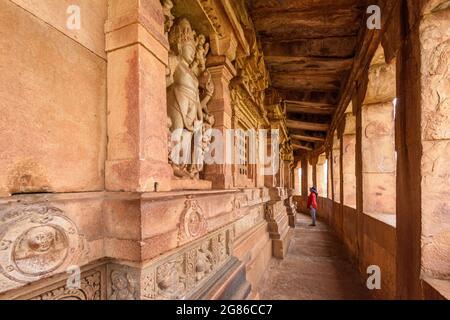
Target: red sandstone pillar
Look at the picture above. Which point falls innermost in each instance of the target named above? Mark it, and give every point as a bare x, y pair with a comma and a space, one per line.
348, 161
222, 71
137, 53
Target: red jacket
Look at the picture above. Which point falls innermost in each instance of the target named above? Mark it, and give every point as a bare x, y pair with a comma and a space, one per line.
312, 201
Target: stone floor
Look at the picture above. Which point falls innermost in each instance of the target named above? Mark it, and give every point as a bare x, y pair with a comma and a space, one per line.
316, 267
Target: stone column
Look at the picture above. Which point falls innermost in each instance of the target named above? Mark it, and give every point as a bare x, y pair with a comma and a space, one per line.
423, 145
287, 174
320, 172
137, 53
272, 181
297, 181
330, 175
336, 154
378, 141
222, 71
348, 160
310, 181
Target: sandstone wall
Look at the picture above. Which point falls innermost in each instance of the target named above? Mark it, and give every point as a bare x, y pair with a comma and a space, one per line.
60, 123
53, 88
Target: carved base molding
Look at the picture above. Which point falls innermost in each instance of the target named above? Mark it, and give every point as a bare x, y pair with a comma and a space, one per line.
278, 221
204, 269
92, 286
291, 208
151, 246
177, 275
230, 283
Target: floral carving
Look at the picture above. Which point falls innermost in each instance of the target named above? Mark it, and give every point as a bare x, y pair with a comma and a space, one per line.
90, 290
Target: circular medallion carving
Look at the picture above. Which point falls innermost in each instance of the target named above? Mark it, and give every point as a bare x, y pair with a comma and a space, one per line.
193, 223
37, 241
40, 250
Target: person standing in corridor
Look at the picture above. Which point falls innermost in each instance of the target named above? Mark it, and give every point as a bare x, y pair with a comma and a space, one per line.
312, 205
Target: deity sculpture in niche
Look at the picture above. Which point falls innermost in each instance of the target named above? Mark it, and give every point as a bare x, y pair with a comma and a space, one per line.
122, 288
190, 88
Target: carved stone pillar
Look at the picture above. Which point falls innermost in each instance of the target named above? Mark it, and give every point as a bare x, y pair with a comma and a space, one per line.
222, 71
137, 52
279, 221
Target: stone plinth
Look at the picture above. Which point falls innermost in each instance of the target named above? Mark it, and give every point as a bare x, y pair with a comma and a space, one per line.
164, 245
190, 184
291, 207
278, 221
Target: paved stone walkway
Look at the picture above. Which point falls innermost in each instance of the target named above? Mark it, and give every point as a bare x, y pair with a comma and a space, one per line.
316, 267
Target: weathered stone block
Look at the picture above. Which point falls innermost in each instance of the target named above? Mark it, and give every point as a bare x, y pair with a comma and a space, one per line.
53, 118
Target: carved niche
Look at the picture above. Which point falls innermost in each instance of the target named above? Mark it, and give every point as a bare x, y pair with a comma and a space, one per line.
36, 242
122, 286
189, 90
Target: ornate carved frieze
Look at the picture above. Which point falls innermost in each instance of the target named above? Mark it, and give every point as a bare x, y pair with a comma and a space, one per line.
180, 274
90, 289
210, 11
36, 242
173, 276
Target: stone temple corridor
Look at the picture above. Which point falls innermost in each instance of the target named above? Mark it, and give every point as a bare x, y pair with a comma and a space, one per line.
316, 267
167, 149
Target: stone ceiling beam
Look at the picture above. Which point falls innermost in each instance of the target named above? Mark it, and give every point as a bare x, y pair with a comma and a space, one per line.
262, 6
307, 24
308, 64
306, 138
308, 97
336, 47
301, 147
310, 126
299, 81
311, 108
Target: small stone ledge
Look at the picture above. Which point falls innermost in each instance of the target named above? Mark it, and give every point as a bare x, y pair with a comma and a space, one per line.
388, 219
436, 289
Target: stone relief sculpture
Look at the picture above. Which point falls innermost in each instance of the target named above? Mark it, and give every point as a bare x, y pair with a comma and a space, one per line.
205, 261
167, 6
190, 88
91, 286
40, 249
122, 287
179, 275
170, 280
192, 223
36, 242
